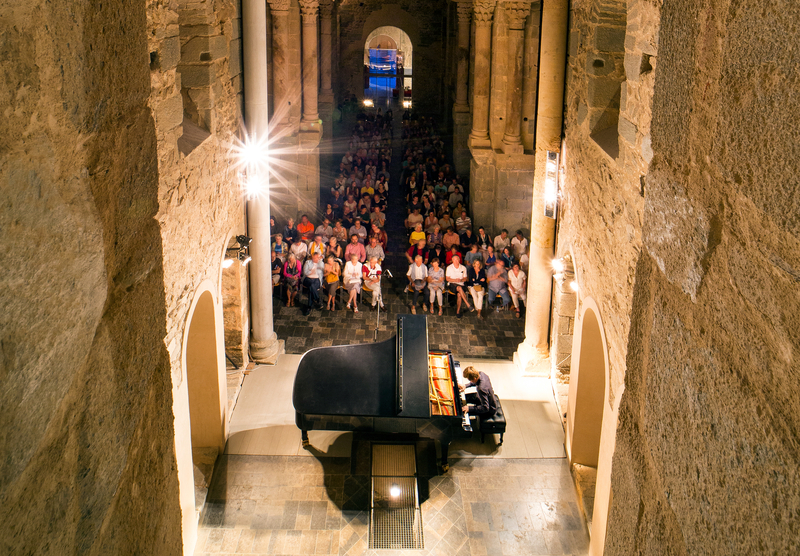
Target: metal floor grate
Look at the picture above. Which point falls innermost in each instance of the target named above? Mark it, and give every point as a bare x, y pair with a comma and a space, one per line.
395, 517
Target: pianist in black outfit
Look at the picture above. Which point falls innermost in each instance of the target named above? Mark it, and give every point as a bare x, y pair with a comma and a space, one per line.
483, 402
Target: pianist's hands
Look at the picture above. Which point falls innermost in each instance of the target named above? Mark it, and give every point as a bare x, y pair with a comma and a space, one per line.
460, 387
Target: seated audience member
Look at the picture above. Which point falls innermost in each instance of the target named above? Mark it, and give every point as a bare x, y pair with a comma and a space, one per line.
350, 207
517, 286
431, 222
334, 249
497, 278
355, 248
436, 283
317, 246
374, 249
473, 255
313, 272
379, 201
476, 282
306, 229
290, 232
483, 402
325, 230
360, 231
456, 275
415, 204
280, 247
445, 221
337, 204
482, 240
463, 222
365, 202
299, 249
332, 273
489, 258
377, 217
519, 244
523, 261
273, 229
380, 233
277, 268
501, 241
440, 190
417, 234
352, 280
291, 276
467, 239
450, 239
452, 252
413, 219
455, 198
418, 249
436, 236
417, 281
372, 280
340, 232
437, 251
508, 257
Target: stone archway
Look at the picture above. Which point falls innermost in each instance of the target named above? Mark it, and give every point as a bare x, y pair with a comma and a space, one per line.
587, 388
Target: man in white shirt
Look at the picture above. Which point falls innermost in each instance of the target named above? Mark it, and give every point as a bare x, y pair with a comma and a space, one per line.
517, 286
519, 244
299, 248
456, 275
501, 242
417, 280
313, 271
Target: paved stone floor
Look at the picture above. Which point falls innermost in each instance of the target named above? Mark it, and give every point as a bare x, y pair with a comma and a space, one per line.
495, 336
302, 505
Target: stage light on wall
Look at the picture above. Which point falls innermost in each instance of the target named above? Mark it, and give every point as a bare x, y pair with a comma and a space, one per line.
574, 286
240, 252
558, 265
551, 185
394, 490
227, 263
406, 104
368, 103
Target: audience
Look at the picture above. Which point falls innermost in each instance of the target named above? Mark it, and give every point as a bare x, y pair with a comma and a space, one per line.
457, 277
476, 281
517, 286
372, 280
418, 281
497, 278
435, 284
352, 280
291, 277
313, 271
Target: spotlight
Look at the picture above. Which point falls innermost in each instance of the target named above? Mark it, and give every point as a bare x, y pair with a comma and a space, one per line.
244, 241
227, 263
574, 286
245, 258
406, 104
551, 185
558, 265
368, 102
394, 491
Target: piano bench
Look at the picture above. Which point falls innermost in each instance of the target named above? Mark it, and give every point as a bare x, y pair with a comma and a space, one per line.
496, 424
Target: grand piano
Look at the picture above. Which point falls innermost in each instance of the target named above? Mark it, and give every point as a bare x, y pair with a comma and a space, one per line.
394, 386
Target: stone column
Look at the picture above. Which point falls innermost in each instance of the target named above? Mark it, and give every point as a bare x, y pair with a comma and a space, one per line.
325, 15
516, 14
308, 10
280, 64
483, 13
462, 54
264, 345
550, 105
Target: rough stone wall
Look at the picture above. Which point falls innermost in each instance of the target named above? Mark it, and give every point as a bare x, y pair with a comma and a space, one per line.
707, 447
200, 201
86, 417
423, 20
602, 199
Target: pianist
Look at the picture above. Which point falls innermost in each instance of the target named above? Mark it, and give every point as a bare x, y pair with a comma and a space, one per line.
482, 402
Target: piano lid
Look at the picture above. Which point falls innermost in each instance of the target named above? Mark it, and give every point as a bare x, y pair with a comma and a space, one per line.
363, 379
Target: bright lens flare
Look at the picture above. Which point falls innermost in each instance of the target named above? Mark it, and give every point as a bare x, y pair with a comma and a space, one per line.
394, 491
251, 154
558, 265
574, 286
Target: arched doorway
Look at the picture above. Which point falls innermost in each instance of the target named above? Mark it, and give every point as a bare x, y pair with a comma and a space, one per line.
586, 391
206, 412
388, 62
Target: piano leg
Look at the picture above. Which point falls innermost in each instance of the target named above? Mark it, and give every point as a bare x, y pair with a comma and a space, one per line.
304, 436
445, 461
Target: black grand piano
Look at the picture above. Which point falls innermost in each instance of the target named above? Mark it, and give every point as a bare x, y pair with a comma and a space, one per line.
394, 386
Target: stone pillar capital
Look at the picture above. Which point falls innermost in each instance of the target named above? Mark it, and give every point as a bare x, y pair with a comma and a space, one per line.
326, 8
308, 9
464, 12
279, 5
517, 13
484, 11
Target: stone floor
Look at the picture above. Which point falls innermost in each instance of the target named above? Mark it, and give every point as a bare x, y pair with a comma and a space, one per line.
495, 336
302, 505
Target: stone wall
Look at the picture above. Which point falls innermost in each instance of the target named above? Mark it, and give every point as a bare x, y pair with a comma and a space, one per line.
87, 437
707, 447
108, 228
423, 20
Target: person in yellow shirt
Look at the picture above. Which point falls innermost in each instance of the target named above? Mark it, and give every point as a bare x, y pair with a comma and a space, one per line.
417, 234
